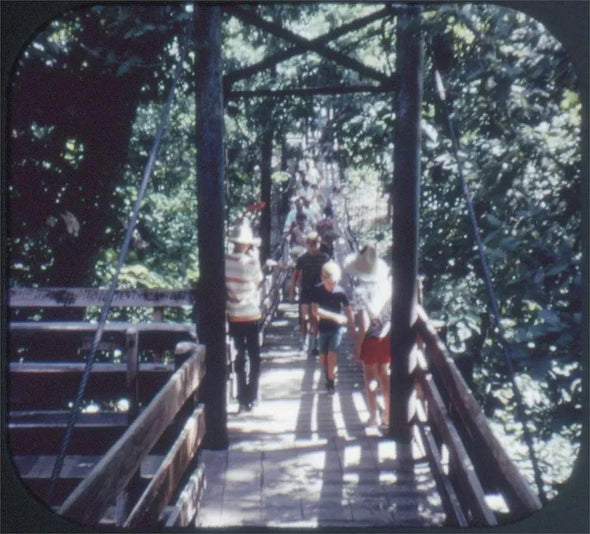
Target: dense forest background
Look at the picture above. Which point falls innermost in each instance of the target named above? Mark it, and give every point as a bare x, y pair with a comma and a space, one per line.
86, 93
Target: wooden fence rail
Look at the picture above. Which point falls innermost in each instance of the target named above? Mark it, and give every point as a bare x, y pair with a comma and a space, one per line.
478, 464
82, 297
118, 459
37, 419
92, 497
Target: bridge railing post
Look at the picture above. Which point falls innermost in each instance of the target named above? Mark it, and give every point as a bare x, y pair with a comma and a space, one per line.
210, 218
405, 192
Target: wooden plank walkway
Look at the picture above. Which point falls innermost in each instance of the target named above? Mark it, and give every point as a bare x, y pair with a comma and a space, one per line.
304, 458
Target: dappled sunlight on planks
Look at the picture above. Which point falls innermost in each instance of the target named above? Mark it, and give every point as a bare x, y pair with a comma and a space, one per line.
304, 459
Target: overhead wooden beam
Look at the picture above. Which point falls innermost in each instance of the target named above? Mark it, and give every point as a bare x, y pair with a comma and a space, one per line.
249, 17
405, 196
273, 60
310, 91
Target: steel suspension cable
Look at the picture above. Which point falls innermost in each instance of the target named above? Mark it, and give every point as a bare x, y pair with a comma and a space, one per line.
121, 260
506, 350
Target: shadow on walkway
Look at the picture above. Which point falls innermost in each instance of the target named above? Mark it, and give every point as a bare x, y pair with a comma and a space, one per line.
305, 459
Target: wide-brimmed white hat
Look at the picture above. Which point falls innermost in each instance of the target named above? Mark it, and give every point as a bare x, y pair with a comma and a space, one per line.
366, 265
243, 235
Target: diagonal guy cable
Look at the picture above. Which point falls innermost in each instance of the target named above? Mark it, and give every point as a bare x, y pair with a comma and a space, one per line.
440, 90
121, 260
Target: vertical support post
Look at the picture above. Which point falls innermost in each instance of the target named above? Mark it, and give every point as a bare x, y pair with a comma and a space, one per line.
406, 192
132, 361
266, 181
210, 220
125, 500
158, 317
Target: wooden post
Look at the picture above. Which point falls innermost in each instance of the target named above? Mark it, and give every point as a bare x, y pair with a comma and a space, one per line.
210, 226
405, 188
158, 317
266, 181
124, 501
132, 359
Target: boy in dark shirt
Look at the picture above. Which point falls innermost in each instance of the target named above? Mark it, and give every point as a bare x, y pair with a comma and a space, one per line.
332, 310
308, 272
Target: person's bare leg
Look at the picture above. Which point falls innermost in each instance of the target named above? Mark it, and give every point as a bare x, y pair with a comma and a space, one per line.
383, 376
304, 318
331, 365
370, 374
324, 363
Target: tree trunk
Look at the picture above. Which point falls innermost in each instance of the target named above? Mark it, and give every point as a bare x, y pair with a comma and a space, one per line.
405, 190
210, 217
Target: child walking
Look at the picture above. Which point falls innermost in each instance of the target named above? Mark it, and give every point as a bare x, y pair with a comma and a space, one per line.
332, 310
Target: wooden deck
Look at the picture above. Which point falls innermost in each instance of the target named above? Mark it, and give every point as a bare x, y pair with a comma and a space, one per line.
304, 458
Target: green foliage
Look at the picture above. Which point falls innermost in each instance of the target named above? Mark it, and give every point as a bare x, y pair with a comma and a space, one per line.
516, 108
519, 125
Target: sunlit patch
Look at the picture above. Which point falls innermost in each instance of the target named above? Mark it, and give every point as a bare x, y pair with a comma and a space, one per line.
387, 477
352, 455
386, 451
281, 323
123, 405
91, 408
372, 431
351, 478
497, 503
360, 405
239, 475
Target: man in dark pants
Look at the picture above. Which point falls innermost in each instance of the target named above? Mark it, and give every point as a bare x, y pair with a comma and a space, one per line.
307, 272
242, 278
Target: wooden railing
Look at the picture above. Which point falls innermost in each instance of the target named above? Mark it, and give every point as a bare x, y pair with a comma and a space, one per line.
120, 452
449, 417
271, 292
67, 335
115, 453
91, 499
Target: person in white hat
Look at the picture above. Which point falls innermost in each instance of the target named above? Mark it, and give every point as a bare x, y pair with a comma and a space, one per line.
243, 275
372, 297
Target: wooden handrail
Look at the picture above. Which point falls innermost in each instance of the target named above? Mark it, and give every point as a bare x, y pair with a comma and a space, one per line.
498, 472
81, 297
448, 495
166, 480
85, 328
188, 502
469, 487
92, 497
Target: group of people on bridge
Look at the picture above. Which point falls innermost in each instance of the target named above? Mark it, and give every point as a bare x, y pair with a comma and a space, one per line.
327, 305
